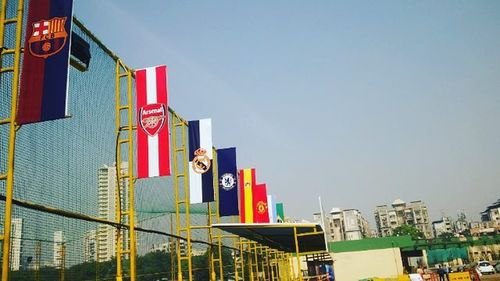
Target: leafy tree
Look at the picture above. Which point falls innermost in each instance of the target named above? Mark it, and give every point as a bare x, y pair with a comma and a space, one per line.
410, 230
446, 236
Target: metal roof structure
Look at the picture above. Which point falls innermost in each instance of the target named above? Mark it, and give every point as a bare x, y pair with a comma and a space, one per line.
299, 238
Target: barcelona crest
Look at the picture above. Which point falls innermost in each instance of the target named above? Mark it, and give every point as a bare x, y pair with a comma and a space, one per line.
152, 118
48, 37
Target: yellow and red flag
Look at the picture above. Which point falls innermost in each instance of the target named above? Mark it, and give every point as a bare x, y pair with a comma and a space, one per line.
246, 182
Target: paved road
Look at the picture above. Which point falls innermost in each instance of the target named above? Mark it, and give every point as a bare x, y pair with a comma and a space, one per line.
492, 277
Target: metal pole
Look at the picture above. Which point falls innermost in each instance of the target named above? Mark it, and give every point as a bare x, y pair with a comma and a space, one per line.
297, 251
130, 171
118, 207
12, 136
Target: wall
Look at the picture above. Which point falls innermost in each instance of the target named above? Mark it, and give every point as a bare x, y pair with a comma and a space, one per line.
353, 266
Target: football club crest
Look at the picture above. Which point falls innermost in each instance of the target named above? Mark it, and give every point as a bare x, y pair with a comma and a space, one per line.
201, 162
48, 37
261, 207
227, 181
152, 118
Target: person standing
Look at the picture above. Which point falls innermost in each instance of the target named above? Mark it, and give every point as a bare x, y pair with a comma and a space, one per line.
441, 273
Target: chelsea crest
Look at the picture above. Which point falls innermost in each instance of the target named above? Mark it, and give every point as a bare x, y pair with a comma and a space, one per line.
227, 181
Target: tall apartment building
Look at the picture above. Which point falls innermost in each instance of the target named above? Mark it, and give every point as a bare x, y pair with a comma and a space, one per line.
445, 225
58, 248
492, 213
107, 199
346, 224
16, 243
413, 213
90, 246
461, 225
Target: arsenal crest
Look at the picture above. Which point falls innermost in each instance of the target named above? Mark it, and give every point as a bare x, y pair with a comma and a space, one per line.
152, 118
48, 37
227, 181
201, 162
261, 207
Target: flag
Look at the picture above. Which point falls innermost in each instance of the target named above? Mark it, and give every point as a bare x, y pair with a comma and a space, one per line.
153, 143
228, 183
271, 209
280, 214
260, 206
43, 93
247, 181
201, 183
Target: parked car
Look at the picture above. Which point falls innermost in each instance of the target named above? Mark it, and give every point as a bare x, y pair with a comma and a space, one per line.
497, 267
485, 267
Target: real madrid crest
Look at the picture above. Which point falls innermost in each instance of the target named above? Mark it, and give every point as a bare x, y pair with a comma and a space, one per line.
227, 181
201, 162
261, 207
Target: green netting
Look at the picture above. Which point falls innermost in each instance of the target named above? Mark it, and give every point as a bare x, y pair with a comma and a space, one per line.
61, 164
445, 255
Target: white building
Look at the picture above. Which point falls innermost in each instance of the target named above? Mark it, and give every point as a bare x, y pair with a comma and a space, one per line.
413, 213
58, 248
90, 246
355, 226
492, 213
346, 224
16, 243
444, 225
107, 191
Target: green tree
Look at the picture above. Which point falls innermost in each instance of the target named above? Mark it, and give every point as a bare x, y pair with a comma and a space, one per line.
446, 236
410, 230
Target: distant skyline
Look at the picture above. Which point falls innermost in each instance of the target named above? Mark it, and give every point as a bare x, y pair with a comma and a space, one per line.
359, 102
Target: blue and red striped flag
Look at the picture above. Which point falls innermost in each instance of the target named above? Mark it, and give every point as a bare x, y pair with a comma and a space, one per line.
44, 77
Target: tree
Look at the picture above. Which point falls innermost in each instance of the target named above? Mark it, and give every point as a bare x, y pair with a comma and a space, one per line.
446, 236
410, 230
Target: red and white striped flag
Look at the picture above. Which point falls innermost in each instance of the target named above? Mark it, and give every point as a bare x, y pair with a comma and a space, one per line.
153, 144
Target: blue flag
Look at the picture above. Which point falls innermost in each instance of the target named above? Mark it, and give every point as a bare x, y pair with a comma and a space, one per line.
228, 182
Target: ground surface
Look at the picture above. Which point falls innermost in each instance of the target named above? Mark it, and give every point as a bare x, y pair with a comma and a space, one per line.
492, 277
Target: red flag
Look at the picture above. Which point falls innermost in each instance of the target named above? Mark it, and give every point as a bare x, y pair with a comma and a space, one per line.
260, 208
153, 144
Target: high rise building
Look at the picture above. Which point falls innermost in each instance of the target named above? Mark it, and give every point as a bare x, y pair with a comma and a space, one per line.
413, 213
16, 243
461, 225
492, 213
107, 199
346, 224
444, 225
58, 248
90, 246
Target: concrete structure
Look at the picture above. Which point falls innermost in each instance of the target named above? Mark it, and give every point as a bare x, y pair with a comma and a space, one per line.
16, 243
346, 224
413, 213
461, 225
442, 226
90, 246
490, 221
367, 258
107, 197
484, 252
58, 248
484, 228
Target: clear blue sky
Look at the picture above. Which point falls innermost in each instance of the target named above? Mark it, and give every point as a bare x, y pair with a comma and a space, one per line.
359, 102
